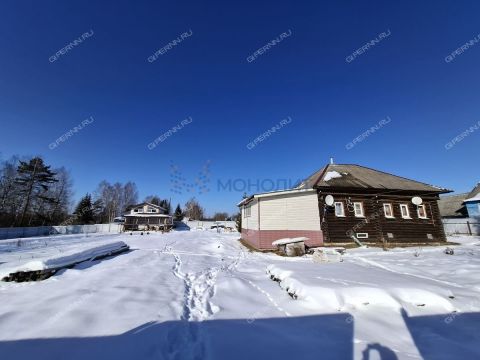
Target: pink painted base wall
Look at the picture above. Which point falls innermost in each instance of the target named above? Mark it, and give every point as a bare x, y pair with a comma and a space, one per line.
262, 239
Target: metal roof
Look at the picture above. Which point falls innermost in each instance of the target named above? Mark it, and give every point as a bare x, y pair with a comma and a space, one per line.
452, 206
474, 192
350, 176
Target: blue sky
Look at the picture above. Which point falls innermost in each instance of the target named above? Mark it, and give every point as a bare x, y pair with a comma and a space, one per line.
232, 101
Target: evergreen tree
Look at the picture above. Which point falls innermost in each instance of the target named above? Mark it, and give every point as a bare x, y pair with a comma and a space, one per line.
166, 205
85, 212
153, 199
33, 180
178, 215
238, 222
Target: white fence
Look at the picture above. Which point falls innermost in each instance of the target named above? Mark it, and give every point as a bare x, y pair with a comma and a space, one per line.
23, 232
465, 226
195, 224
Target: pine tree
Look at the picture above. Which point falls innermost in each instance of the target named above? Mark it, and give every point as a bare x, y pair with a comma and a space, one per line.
85, 212
166, 205
33, 179
178, 215
238, 222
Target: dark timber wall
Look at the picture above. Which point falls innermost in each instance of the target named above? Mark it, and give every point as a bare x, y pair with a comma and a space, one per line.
378, 227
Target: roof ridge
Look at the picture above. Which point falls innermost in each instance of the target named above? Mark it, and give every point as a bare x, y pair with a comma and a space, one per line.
321, 175
397, 176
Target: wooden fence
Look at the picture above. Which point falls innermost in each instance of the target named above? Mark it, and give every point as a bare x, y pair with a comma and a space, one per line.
462, 226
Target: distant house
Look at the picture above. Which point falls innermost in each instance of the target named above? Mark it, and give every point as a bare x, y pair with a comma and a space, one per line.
452, 206
344, 203
461, 205
147, 216
472, 202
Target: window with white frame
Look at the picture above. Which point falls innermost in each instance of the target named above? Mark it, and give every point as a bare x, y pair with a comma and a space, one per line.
422, 212
339, 209
405, 211
247, 211
358, 209
388, 210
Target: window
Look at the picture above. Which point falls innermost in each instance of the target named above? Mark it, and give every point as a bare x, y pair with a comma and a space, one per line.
135, 210
339, 209
247, 211
422, 212
388, 210
362, 235
358, 209
404, 211
152, 210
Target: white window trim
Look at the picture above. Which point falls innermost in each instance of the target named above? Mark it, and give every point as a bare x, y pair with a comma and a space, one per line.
408, 211
424, 209
391, 211
343, 209
249, 212
362, 235
362, 213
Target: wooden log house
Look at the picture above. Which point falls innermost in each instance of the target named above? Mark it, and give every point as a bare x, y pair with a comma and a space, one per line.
352, 202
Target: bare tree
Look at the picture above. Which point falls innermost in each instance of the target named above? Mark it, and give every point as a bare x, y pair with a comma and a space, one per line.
10, 201
193, 210
220, 216
130, 195
115, 198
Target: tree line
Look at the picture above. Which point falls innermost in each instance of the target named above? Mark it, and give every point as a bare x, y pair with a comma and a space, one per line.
33, 193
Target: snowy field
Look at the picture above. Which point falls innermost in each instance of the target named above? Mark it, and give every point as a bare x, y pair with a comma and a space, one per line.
201, 295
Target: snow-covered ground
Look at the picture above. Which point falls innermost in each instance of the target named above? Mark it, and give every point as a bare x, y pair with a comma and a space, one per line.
201, 295
32, 254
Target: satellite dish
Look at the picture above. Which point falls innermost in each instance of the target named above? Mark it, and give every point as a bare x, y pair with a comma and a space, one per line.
417, 200
329, 200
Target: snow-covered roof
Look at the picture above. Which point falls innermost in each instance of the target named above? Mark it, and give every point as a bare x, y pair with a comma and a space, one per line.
361, 177
332, 175
473, 199
147, 203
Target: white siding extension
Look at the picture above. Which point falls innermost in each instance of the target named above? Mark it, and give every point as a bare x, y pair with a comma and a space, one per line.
251, 222
298, 211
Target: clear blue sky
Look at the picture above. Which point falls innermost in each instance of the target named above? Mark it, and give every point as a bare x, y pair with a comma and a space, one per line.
232, 101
